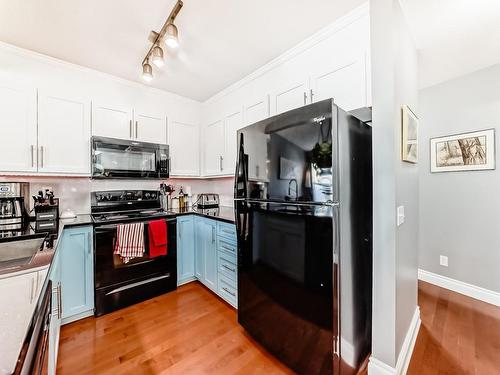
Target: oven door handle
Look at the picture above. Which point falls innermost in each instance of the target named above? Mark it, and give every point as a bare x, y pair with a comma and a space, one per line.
109, 227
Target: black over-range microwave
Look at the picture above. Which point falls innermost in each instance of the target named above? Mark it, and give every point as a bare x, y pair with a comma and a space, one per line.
120, 158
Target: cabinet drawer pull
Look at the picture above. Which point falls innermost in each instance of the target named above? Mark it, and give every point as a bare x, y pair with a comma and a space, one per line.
229, 268
42, 157
305, 98
311, 94
32, 148
59, 301
228, 248
228, 291
131, 131
136, 129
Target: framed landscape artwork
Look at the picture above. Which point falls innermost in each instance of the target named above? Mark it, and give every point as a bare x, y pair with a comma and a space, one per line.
463, 152
409, 145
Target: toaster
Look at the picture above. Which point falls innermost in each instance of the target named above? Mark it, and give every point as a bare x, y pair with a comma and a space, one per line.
207, 200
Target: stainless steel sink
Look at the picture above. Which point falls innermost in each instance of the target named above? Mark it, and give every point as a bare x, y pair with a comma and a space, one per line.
19, 252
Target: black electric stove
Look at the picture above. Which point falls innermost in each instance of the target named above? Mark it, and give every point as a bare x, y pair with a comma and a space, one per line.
119, 284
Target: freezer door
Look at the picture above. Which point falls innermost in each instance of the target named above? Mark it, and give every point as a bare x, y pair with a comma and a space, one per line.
290, 157
287, 288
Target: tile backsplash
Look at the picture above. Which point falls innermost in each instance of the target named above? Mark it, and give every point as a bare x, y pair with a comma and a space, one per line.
74, 192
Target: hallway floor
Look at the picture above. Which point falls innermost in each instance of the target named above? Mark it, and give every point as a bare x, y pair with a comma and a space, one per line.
458, 335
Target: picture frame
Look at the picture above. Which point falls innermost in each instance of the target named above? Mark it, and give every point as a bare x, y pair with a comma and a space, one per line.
409, 135
287, 169
471, 151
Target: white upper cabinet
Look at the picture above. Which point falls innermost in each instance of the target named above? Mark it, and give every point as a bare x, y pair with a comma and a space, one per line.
292, 94
112, 121
214, 148
345, 82
256, 110
18, 140
232, 123
150, 127
126, 123
63, 133
184, 142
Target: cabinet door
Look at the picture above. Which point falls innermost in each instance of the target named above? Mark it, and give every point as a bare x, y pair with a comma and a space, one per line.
345, 82
111, 121
184, 143
18, 140
292, 95
256, 110
185, 249
199, 262
232, 123
214, 148
55, 320
77, 273
63, 134
150, 127
17, 301
210, 255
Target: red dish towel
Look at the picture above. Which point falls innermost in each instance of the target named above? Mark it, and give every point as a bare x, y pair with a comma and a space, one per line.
129, 241
157, 238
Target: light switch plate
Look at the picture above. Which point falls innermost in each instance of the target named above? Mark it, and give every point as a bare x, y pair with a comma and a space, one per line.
401, 215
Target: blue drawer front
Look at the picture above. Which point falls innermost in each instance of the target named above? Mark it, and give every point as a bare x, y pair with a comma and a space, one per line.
227, 231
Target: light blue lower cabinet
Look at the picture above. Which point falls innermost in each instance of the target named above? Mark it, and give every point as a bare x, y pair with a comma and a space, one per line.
185, 249
206, 251
76, 260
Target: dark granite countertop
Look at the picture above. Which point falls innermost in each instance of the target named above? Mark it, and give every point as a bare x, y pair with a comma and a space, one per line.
222, 213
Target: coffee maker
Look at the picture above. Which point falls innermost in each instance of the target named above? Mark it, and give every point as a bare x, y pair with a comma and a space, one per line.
14, 206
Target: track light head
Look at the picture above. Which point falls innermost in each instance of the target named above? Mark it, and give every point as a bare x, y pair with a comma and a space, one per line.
147, 72
171, 36
157, 56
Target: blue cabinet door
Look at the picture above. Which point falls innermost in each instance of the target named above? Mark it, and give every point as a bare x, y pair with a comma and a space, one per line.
77, 273
211, 254
199, 247
185, 249
55, 319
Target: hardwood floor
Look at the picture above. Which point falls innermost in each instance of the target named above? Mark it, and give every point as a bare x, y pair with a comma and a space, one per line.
189, 331
458, 335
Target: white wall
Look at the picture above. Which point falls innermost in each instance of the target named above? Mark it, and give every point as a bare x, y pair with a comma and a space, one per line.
460, 211
394, 83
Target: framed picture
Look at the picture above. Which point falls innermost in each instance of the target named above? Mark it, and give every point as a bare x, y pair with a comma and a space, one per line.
288, 169
409, 144
473, 151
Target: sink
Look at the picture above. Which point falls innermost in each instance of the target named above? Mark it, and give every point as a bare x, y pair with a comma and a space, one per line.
15, 253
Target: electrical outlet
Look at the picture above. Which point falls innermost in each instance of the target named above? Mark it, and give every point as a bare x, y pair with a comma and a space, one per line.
443, 260
400, 215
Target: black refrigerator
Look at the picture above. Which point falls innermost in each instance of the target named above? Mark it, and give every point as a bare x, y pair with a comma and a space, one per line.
303, 202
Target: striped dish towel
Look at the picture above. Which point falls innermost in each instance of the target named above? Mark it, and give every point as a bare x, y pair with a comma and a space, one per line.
129, 241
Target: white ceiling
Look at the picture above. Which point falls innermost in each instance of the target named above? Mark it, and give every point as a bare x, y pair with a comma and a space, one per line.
221, 41
454, 37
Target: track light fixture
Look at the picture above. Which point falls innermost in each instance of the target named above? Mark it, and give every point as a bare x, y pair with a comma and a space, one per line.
170, 38
147, 72
169, 35
157, 56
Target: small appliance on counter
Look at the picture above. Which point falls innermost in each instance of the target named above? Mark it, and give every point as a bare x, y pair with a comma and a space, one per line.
46, 208
13, 206
208, 200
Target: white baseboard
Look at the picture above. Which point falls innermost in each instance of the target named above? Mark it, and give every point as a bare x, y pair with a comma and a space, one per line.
469, 290
377, 367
